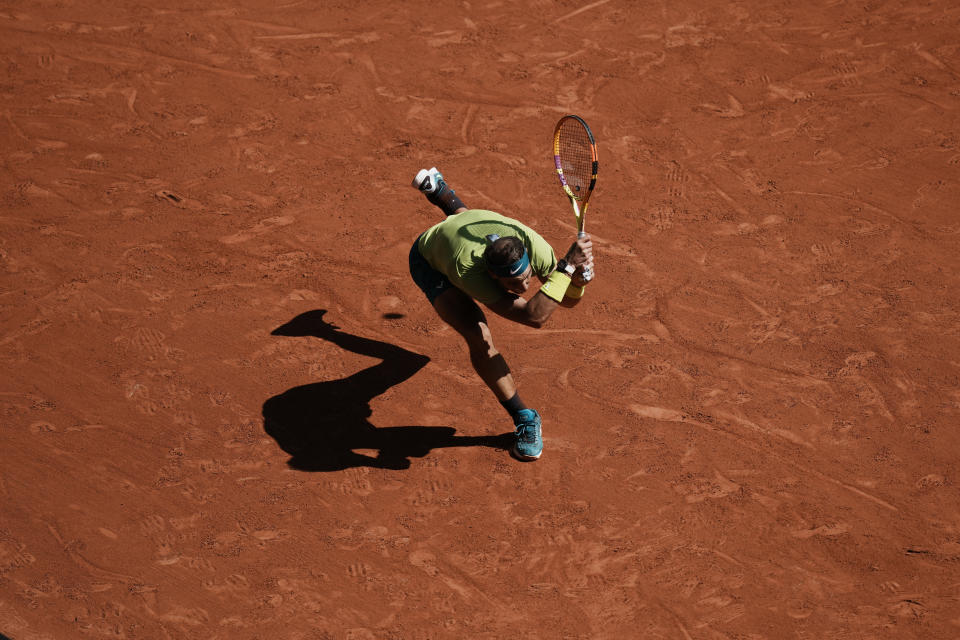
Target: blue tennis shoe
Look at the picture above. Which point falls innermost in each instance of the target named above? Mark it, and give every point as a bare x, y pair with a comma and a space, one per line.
529, 444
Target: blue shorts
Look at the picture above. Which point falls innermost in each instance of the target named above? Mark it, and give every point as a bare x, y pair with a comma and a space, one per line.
430, 281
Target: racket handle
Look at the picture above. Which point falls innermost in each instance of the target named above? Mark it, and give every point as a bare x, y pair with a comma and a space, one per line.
587, 273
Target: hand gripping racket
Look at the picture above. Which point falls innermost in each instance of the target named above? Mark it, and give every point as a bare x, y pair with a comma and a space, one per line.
575, 155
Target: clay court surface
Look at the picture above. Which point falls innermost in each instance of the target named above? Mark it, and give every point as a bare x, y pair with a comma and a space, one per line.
227, 411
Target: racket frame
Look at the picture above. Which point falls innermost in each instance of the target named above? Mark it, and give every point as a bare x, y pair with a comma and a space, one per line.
579, 203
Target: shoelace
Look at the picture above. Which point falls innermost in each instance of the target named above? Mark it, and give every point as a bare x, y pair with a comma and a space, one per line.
527, 432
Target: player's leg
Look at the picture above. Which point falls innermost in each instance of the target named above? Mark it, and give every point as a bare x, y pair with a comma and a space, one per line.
430, 183
463, 314
460, 311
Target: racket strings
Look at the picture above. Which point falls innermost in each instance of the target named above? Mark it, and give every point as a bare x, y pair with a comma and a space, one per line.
574, 149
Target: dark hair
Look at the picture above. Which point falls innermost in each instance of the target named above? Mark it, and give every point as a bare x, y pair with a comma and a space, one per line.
504, 251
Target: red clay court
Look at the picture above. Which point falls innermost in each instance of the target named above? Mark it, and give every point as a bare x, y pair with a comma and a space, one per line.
228, 412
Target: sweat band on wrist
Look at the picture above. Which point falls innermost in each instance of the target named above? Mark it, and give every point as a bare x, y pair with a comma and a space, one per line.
573, 291
555, 286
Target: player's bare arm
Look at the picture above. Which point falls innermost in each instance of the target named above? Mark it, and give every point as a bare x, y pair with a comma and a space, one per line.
532, 313
537, 310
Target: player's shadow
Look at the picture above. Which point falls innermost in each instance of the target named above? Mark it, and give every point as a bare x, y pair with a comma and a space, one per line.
324, 426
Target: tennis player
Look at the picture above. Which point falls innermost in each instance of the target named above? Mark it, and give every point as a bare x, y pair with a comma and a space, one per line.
478, 256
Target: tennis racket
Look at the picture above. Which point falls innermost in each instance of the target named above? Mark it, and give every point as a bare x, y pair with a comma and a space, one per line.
575, 155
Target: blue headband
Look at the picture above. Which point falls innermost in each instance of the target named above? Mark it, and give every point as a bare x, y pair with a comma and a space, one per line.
509, 270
